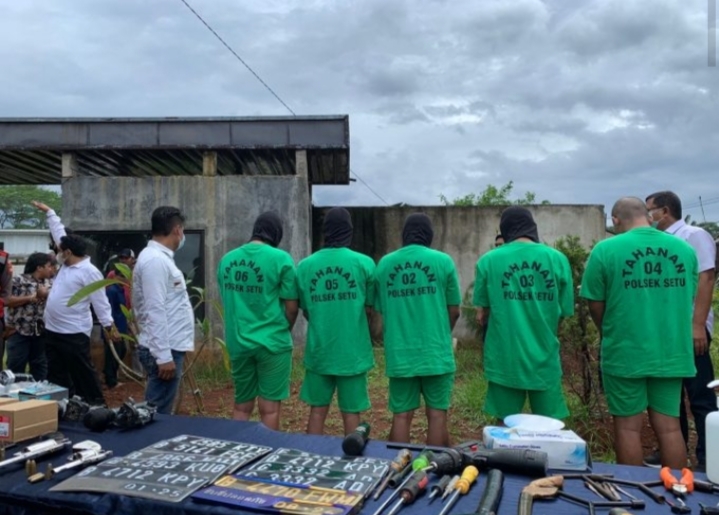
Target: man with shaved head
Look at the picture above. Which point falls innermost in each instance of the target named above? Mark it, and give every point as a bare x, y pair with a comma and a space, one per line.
640, 285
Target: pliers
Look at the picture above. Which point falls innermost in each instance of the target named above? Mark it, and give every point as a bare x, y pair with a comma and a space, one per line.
678, 488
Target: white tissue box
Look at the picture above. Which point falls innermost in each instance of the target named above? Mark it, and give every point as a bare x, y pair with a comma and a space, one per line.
565, 449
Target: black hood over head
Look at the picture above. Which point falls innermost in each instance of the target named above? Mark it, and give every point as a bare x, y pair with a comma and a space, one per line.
268, 228
337, 228
417, 230
518, 222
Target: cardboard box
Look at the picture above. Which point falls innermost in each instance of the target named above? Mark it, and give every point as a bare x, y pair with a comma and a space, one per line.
43, 391
565, 449
6, 400
28, 419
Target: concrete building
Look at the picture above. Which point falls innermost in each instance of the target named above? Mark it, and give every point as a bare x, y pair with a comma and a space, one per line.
20, 243
222, 172
465, 233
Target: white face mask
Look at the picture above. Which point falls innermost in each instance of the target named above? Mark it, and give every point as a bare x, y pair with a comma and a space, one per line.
60, 258
182, 243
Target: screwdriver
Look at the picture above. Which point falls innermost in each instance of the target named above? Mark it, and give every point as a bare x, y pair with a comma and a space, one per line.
450, 487
439, 488
420, 463
399, 463
411, 491
469, 476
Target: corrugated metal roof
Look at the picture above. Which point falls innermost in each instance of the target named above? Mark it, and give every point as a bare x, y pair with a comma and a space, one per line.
31, 149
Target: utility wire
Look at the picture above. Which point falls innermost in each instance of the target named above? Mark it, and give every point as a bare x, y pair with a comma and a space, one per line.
369, 188
238, 57
228, 47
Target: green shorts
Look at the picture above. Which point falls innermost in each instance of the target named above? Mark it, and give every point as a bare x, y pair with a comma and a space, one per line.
404, 392
352, 395
629, 396
503, 401
262, 373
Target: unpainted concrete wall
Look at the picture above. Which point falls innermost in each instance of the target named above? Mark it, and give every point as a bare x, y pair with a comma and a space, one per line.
223, 207
463, 232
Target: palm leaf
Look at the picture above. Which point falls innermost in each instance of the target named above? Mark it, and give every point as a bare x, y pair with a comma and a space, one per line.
124, 270
92, 288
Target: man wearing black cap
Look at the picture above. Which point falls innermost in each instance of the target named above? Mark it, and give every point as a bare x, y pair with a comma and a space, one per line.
527, 288
417, 293
259, 292
336, 287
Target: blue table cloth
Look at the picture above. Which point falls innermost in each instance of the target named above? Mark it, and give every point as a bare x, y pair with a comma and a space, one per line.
18, 497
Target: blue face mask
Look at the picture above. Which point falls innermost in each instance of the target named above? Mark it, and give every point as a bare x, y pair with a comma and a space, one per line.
655, 225
182, 243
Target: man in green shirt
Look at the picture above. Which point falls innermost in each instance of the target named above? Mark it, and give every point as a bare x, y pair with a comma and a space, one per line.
640, 286
336, 287
417, 293
259, 293
527, 288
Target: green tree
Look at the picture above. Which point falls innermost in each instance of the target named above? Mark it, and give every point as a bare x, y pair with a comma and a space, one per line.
15, 208
710, 227
493, 196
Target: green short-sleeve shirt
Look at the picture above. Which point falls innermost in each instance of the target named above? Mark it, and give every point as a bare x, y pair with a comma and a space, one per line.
414, 286
335, 286
647, 280
253, 281
528, 289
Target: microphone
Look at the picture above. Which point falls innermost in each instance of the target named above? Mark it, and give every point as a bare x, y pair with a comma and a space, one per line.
99, 419
355, 442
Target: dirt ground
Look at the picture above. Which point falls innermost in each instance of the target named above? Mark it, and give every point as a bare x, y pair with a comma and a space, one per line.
217, 402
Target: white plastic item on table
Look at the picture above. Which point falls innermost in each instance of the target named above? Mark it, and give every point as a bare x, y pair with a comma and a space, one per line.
531, 422
712, 439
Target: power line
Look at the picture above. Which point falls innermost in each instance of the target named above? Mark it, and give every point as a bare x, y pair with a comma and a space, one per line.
238, 57
228, 47
369, 188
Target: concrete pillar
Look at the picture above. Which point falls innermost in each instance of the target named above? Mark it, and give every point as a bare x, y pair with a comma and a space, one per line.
301, 164
209, 163
69, 165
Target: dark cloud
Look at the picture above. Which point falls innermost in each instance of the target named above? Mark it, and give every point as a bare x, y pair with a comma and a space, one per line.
575, 100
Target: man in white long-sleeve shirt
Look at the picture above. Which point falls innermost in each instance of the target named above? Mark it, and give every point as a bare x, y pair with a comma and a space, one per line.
162, 309
68, 329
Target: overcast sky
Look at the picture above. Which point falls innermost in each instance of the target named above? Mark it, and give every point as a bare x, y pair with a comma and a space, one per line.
580, 102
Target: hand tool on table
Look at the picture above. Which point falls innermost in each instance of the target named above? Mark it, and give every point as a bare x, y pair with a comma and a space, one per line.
85, 453
419, 464
469, 446
130, 415
409, 493
492, 495
544, 488
705, 486
439, 488
469, 476
355, 442
523, 462
397, 469
645, 487
592, 505
450, 487
603, 490
678, 488
549, 488
38, 450
708, 510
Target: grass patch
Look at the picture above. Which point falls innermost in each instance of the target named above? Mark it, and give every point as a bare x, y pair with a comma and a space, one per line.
466, 418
